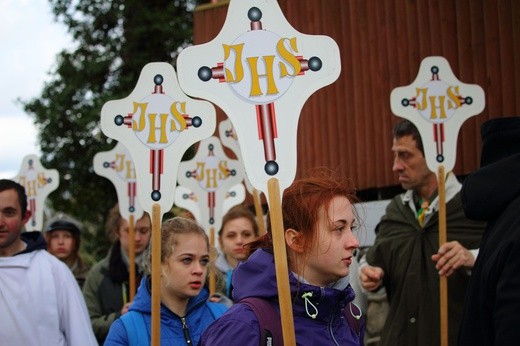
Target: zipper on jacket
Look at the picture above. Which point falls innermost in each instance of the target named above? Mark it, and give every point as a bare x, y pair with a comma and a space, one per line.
186, 331
330, 329
331, 318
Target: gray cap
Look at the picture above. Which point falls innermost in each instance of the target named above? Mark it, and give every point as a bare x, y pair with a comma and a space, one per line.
62, 221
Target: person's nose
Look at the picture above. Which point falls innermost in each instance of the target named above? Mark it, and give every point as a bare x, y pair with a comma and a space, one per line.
397, 166
352, 242
198, 268
138, 237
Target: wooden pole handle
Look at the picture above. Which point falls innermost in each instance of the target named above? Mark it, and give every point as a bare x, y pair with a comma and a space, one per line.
259, 212
131, 255
280, 260
443, 281
212, 277
156, 274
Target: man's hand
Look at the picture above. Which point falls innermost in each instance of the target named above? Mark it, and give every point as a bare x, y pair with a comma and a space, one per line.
452, 256
371, 277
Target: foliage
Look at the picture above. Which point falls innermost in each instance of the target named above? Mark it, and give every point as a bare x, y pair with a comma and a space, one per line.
114, 39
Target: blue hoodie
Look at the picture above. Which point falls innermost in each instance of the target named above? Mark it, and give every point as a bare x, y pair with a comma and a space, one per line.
198, 318
257, 278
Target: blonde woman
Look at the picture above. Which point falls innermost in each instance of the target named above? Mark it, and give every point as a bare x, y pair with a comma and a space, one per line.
186, 258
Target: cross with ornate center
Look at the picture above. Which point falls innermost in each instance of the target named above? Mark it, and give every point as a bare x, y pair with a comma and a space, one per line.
157, 129
210, 175
438, 103
261, 78
117, 166
38, 183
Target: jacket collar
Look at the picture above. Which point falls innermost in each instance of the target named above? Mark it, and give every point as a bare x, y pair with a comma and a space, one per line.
452, 187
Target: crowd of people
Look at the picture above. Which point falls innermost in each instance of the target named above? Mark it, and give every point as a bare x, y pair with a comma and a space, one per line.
48, 295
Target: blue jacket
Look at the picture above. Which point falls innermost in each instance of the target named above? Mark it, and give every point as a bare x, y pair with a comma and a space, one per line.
257, 278
198, 318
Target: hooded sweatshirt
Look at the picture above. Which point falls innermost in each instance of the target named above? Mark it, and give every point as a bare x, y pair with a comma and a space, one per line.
174, 328
223, 265
40, 301
256, 277
492, 308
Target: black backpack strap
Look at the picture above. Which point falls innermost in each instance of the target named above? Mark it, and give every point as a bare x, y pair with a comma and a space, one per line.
268, 319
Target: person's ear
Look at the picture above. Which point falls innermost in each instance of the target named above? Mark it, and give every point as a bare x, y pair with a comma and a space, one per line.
293, 239
27, 216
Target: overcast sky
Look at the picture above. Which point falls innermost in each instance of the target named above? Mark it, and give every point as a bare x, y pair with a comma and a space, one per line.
30, 41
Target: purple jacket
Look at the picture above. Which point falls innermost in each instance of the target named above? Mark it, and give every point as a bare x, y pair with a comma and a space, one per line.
257, 278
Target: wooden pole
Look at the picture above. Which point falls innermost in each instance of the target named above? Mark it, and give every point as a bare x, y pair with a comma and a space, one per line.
280, 260
443, 280
212, 278
259, 212
131, 255
156, 274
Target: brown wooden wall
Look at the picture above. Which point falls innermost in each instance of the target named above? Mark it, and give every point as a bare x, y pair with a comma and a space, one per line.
382, 43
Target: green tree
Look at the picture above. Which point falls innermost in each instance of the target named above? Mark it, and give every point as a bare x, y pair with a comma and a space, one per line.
114, 39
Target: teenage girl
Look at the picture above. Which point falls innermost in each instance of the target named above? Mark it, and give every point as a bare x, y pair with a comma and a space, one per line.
319, 223
186, 258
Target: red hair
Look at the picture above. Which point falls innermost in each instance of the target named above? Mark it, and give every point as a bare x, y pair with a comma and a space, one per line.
302, 203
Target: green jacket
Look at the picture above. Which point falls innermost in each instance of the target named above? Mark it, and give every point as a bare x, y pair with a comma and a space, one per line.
80, 271
403, 249
106, 291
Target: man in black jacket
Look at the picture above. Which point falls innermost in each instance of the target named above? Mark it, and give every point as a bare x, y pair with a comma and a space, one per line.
492, 307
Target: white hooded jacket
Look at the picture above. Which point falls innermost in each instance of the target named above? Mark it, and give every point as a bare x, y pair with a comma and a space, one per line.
41, 303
